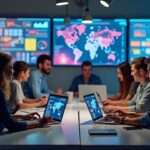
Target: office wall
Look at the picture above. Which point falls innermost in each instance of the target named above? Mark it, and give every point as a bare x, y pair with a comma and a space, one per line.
62, 76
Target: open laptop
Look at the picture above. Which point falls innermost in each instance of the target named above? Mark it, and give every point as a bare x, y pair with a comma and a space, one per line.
101, 90
96, 109
55, 107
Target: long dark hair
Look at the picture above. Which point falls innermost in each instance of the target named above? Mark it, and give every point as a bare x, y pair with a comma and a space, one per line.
5, 75
127, 79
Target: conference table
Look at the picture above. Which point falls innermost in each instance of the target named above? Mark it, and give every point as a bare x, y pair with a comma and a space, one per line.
72, 133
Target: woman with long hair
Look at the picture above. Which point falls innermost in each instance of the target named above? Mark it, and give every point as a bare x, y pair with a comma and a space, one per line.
6, 120
125, 81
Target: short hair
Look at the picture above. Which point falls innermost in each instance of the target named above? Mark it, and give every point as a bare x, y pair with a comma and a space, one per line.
19, 66
140, 64
86, 63
42, 58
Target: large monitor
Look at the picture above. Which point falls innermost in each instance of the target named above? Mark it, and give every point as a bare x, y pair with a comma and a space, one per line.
103, 42
139, 45
25, 38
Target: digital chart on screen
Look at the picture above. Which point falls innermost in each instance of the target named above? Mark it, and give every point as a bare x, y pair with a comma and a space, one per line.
25, 38
139, 38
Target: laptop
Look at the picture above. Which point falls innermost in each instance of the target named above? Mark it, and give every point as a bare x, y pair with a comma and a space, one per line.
101, 90
55, 107
96, 109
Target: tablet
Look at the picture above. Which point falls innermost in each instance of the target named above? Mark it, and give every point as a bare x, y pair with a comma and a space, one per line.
55, 107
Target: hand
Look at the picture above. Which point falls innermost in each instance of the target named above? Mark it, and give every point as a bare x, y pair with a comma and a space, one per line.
43, 100
59, 91
31, 116
46, 121
120, 112
107, 102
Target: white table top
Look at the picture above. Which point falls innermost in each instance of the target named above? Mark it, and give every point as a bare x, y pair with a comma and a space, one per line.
67, 133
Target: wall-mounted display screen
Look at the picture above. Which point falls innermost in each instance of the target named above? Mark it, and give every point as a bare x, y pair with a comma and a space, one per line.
139, 38
102, 42
25, 38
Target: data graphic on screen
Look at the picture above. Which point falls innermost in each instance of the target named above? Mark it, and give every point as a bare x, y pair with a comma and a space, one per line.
93, 106
103, 42
25, 38
55, 107
139, 38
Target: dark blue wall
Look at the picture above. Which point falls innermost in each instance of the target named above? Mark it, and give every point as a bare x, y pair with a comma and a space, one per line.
62, 76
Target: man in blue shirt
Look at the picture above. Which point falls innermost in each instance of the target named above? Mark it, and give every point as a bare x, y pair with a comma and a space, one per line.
38, 82
85, 78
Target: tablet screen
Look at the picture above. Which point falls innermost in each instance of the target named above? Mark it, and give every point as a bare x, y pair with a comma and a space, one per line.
93, 106
55, 107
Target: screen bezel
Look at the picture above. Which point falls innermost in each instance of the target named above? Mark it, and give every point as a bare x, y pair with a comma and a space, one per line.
99, 65
89, 95
65, 102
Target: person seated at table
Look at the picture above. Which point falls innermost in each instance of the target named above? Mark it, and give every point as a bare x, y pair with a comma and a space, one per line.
136, 119
141, 100
86, 77
21, 74
6, 120
37, 85
127, 86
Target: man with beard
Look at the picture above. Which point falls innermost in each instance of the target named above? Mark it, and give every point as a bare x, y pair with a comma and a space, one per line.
38, 82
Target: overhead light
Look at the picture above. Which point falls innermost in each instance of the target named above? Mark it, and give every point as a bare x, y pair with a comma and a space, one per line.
105, 3
62, 2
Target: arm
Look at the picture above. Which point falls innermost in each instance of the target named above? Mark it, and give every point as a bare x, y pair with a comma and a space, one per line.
131, 121
30, 100
115, 97
30, 105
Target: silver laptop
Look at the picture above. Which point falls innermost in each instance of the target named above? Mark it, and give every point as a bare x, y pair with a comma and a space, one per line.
101, 91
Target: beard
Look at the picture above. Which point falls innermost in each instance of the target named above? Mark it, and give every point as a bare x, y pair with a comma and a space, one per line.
47, 72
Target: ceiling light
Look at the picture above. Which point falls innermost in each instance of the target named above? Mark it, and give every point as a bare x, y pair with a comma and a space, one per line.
105, 3
62, 2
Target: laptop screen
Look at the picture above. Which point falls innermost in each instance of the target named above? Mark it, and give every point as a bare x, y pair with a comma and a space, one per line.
55, 107
93, 106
